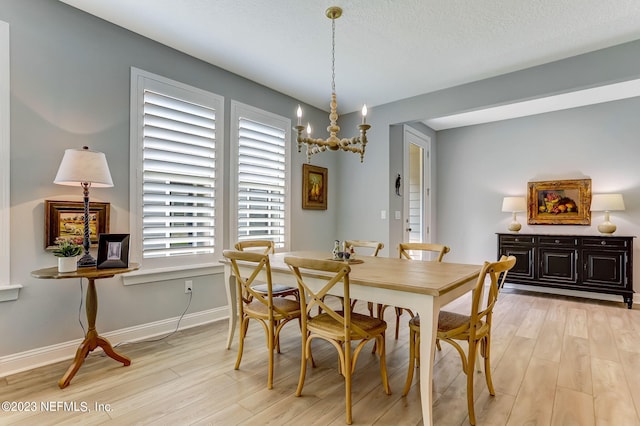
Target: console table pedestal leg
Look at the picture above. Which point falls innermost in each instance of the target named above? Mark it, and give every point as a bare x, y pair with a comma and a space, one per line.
92, 340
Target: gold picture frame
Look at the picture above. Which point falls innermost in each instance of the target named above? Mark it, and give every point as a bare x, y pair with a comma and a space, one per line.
314, 187
559, 202
65, 219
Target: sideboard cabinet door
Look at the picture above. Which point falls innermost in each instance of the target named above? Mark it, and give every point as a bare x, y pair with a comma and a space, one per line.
606, 262
558, 259
522, 248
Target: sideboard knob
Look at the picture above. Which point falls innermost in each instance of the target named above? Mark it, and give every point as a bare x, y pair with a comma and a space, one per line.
603, 243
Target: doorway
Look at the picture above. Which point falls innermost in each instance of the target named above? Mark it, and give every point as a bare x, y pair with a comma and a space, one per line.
416, 187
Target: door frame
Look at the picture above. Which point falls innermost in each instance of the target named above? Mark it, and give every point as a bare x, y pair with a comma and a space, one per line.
411, 136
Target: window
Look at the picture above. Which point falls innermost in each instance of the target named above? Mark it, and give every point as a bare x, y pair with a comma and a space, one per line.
260, 170
175, 150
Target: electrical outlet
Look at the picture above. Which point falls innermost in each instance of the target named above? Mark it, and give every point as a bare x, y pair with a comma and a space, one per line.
188, 286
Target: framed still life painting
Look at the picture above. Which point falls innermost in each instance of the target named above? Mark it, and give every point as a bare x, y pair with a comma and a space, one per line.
559, 202
314, 187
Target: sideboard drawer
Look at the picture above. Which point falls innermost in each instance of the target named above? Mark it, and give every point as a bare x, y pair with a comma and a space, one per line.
605, 242
516, 239
560, 240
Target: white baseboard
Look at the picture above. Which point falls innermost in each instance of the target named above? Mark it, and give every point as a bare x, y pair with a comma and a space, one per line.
574, 293
38, 357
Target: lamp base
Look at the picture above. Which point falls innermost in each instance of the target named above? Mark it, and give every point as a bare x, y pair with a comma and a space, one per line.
514, 226
607, 228
86, 261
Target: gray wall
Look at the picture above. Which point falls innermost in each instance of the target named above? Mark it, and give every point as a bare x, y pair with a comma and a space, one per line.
70, 78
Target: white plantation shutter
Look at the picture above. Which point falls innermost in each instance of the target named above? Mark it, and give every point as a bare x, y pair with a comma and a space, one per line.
178, 170
178, 177
261, 175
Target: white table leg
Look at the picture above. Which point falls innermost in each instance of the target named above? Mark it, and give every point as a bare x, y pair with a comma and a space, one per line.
428, 311
230, 282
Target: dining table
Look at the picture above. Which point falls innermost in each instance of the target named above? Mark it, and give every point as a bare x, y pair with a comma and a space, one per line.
422, 286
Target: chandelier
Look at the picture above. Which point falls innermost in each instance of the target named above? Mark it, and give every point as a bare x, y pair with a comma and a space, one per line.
355, 144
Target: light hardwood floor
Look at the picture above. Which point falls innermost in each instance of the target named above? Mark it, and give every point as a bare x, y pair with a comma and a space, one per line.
556, 361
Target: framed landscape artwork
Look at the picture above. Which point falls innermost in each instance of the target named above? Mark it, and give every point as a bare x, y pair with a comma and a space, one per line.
314, 187
559, 202
65, 219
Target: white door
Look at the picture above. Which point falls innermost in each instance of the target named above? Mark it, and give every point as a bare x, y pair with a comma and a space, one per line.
416, 186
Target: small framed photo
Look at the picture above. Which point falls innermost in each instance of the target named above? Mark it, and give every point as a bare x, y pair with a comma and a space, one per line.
113, 251
314, 187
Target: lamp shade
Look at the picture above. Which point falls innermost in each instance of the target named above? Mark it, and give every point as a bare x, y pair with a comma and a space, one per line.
83, 166
514, 204
607, 202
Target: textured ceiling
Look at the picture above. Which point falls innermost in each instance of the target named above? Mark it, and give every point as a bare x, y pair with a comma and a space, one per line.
385, 49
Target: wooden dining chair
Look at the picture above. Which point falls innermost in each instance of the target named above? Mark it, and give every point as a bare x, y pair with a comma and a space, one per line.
267, 247
338, 327
474, 328
375, 247
271, 312
404, 249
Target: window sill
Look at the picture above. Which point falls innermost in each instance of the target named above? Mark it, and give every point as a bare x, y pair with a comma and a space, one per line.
9, 292
142, 276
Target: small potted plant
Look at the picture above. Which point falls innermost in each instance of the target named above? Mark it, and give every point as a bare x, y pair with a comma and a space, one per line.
67, 252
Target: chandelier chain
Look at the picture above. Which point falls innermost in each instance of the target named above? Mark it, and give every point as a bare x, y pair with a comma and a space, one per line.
333, 55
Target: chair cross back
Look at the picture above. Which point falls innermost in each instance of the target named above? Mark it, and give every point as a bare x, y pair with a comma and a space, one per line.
493, 271
311, 299
501, 276
403, 249
266, 245
375, 245
245, 290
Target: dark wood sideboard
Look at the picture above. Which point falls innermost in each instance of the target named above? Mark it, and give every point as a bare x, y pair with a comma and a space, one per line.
602, 264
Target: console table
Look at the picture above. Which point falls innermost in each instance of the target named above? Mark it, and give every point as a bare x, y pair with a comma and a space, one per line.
92, 340
602, 264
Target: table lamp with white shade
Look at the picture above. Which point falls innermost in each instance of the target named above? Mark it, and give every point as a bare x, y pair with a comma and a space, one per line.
514, 205
85, 168
607, 203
